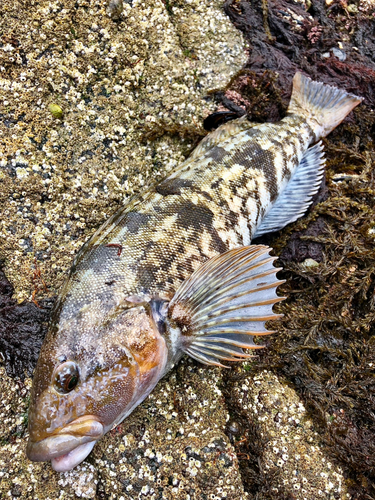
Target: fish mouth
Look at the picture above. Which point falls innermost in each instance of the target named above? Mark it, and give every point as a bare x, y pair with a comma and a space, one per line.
69, 446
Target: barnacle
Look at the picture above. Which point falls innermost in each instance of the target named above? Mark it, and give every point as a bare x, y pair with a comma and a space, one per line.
115, 9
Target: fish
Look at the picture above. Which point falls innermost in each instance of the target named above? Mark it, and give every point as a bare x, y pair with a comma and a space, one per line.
174, 272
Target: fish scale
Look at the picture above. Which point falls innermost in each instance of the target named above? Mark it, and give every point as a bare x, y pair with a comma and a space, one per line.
197, 217
174, 272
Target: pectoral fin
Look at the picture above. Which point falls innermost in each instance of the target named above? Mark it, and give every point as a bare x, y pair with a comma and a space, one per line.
225, 303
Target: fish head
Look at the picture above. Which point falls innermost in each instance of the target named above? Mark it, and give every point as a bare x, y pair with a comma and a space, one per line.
85, 385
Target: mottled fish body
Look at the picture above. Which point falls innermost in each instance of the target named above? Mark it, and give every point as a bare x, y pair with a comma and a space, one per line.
174, 272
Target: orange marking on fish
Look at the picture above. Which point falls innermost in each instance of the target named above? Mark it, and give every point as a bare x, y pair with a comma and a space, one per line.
116, 245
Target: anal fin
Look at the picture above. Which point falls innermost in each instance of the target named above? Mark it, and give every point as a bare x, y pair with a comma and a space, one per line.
296, 197
225, 303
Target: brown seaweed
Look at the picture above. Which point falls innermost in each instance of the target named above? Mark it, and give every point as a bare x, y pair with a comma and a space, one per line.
22, 330
325, 345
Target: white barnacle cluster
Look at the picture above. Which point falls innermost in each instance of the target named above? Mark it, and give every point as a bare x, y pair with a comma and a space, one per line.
291, 442
83, 481
114, 81
13, 421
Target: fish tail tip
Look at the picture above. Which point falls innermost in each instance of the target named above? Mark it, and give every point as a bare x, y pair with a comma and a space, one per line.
323, 106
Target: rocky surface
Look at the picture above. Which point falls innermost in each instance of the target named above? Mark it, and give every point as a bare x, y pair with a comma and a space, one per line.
131, 90
185, 441
117, 83
172, 446
294, 457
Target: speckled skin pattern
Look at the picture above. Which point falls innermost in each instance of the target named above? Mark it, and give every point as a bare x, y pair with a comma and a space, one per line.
105, 316
210, 204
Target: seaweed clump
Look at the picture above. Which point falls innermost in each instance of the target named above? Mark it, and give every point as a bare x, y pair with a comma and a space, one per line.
325, 345
22, 330
326, 339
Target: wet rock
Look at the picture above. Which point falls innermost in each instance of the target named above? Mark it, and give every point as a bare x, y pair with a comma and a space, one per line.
171, 447
293, 458
147, 75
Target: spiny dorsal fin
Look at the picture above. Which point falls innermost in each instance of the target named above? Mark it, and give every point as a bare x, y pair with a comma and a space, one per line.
220, 135
296, 197
224, 303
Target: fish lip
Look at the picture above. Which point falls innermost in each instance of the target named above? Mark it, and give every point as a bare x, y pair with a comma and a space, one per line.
78, 432
67, 462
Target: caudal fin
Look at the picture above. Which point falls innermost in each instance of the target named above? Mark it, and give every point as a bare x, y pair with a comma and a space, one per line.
323, 106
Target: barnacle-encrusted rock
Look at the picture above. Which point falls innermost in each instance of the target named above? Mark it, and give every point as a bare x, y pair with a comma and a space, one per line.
293, 455
147, 75
144, 75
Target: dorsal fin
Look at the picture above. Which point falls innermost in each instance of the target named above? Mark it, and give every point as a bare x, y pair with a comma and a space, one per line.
220, 135
296, 197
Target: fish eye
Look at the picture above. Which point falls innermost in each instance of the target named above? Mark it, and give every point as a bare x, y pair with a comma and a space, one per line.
66, 377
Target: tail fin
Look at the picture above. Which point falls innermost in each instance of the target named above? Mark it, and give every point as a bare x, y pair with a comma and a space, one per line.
323, 106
